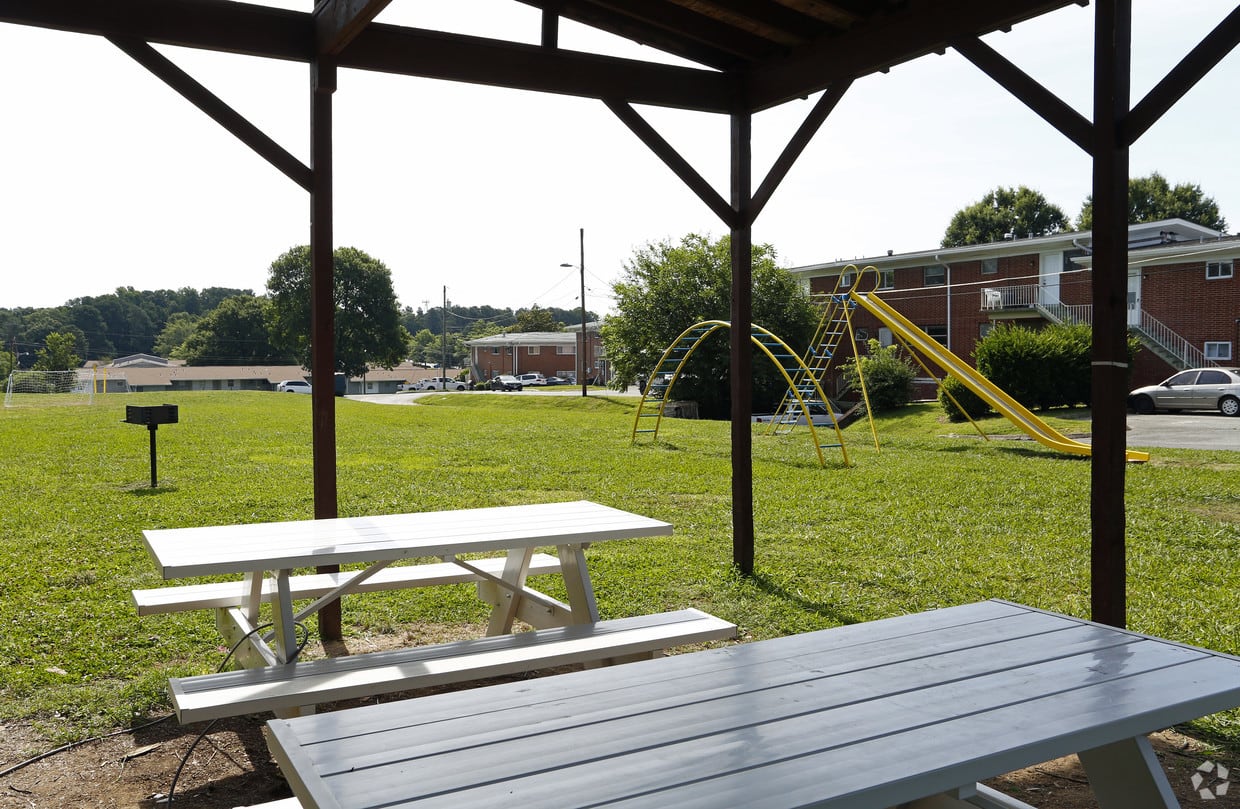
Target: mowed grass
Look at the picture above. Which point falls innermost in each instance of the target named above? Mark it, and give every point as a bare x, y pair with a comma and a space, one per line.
927, 521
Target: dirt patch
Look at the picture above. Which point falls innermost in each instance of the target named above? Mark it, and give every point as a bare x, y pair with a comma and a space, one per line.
231, 766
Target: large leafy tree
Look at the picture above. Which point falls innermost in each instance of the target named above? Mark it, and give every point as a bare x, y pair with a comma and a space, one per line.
59, 353
368, 327
1153, 198
537, 319
665, 288
233, 333
1005, 213
176, 331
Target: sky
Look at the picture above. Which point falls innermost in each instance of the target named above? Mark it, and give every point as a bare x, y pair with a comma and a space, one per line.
111, 179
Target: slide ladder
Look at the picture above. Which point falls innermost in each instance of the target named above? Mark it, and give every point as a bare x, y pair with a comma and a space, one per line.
833, 326
993, 395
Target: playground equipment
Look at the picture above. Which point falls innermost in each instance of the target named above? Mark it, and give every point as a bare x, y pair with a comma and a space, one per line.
920, 344
803, 386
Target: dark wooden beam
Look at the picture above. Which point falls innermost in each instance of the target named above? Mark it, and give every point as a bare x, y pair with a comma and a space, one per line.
208, 24
221, 113
1074, 126
668, 154
323, 317
909, 30
1109, 286
796, 145
1191, 69
338, 22
453, 57
241, 28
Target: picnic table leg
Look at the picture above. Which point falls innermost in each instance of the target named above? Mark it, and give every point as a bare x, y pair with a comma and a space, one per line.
577, 581
516, 569
282, 618
1127, 775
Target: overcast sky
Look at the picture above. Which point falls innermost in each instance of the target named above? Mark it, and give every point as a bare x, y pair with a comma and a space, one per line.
110, 178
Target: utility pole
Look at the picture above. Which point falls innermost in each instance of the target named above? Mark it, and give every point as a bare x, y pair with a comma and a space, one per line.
443, 366
585, 365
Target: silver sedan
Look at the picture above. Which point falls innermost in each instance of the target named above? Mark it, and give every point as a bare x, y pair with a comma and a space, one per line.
1194, 389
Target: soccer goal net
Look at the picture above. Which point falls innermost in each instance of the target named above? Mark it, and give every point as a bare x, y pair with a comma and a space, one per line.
44, 388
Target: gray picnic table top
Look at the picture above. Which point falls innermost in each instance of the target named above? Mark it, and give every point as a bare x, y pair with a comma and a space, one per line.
868, 715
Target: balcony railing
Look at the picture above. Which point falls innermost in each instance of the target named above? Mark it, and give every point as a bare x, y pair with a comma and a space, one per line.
1188, 354
1024, 296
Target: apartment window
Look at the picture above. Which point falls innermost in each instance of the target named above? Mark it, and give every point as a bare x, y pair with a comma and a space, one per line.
863, 335
495, 350
935, 276
566, 349
532, 350
937, 332
990, 266
884, 336
1218, 351
886, 279
984, 329
1219, 269
847, 279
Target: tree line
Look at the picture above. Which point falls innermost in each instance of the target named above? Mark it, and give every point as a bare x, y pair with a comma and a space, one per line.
226, 326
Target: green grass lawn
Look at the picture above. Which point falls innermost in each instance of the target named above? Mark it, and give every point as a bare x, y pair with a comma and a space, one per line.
927, 521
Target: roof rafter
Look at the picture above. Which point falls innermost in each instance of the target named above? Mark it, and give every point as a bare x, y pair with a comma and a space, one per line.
242, 28
913, 29
338, 22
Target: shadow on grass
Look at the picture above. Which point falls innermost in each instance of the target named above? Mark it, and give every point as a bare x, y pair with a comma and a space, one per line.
829, 611
146, 490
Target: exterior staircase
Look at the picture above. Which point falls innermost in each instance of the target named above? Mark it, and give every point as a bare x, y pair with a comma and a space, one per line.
1168, 346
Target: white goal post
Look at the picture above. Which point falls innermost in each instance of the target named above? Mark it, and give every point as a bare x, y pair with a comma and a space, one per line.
44, 388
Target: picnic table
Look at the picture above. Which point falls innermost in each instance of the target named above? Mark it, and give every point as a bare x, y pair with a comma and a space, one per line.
266, 555
915, 709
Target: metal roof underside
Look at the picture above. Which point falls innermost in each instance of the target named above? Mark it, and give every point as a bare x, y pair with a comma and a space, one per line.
753, 54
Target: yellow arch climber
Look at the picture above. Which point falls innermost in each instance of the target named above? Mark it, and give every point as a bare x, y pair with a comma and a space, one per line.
656, 393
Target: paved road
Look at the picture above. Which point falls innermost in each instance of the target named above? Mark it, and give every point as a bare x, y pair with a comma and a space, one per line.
1184, 431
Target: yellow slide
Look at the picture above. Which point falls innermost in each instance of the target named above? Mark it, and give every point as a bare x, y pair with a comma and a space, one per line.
1000, 401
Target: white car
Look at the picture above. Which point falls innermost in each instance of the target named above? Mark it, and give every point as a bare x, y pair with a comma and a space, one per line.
532, 379
293, 386
438, 383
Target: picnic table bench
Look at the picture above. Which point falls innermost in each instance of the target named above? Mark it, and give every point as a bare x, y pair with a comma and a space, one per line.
910, 711
267, 554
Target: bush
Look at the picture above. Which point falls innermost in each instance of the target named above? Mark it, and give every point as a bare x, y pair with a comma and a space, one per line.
972, 404
888, 376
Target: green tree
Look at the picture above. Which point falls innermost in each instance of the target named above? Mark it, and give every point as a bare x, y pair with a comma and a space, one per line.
176, 331
233, 333
537, 319
1152, 198
368, 328
59, 353
666, 288
1019, 211
8, 364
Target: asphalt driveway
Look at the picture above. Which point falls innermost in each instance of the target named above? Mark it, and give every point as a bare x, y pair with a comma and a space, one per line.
1184, 431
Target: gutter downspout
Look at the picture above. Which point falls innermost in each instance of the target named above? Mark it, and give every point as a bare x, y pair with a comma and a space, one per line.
947, 268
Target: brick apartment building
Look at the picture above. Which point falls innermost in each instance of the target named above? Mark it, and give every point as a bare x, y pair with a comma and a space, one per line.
552, 353
1183, 292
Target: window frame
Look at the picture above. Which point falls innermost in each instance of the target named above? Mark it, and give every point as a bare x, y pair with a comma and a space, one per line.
941, 273
990, 266
1217, 344
1223, 270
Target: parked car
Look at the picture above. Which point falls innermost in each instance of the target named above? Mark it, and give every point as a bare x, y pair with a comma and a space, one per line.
532, 379
293, 386
1194, 389
558, 380
438, 383
505, 382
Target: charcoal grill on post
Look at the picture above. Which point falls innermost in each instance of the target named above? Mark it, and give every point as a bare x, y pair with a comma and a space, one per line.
151, 417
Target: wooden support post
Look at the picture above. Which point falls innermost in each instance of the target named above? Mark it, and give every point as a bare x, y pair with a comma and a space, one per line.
1112, 68
322, 316
742, 356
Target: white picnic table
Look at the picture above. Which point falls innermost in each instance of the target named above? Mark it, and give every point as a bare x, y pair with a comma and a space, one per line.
266, 554
915, 709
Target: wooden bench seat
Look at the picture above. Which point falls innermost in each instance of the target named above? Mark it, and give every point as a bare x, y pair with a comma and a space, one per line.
281, 688
231, 593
